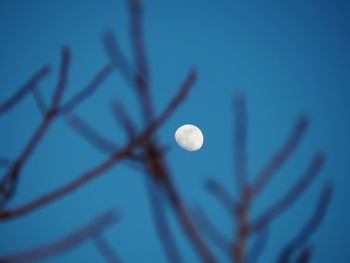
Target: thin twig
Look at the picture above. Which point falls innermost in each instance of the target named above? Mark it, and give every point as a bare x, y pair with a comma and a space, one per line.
240, 141
221, 194
259, 245
66, 243
311, 225
161, 223
282, 155
292, 195
117, 58
25, 89
9, 183
105, 249
305, 255
104, 166
90, 134
39, 101
124, 120
209, 229
88, 91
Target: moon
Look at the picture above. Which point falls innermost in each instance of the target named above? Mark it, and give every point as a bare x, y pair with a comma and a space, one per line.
189, 137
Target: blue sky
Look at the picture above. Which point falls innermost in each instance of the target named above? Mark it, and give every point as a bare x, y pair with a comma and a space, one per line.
287, 57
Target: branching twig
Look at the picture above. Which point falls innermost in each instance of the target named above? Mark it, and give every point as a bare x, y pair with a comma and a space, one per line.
161, 223
292, 195
105, 249
209, 229
91, 135
282, 155
221, 193
25, 89
310, 227
88, 91
240, 141
68, 242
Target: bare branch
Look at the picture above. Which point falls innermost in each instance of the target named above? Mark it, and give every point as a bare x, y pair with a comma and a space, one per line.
293, 194
209, 229
124, 120
240, 141
105, 249
311, 225
66, 189
88, 91
173, 104
282, 155
305, 255
137, 39
186, 222
117, 58
66, 243
259, 245
221, 193
8, 184
161, 223
40, 102
63, 78
25, 89
91, 135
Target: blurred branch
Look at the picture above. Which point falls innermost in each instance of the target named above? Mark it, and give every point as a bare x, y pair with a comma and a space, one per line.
39, 101
311, 225
91, 135
209, 229
124, 120
88, 91
105, 249
282, 155
31, 84
292, 195
66, 243
221, 194
161, 223
240, 141
9, 182
305, 255
117, 57
259, 245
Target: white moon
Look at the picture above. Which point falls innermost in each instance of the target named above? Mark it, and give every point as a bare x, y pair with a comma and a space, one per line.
189, 137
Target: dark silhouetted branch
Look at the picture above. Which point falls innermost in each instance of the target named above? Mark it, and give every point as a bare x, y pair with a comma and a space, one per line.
124, 120
305, 255
186, 222
91, 135
39, 101
209, 229
63, 78
221, 194
9, 183
25, 89
240, 141
117, 58
282, 155
105, 249
66, 189
88, 91
259, 245
161, 223
292, 195
68, 242
311, 225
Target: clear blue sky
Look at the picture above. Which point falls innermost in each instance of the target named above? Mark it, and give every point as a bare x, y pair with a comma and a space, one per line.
288, 57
